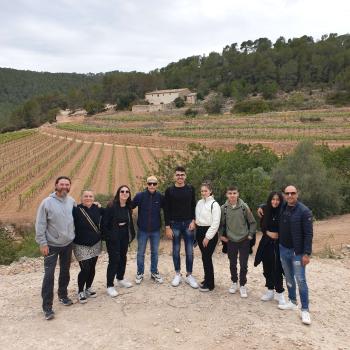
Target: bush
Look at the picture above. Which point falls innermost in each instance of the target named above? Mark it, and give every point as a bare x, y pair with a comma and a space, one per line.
251, 106
269, 90
191, 113
93, 107
179, 102
310, 119
7, 248
214, 104
338, 99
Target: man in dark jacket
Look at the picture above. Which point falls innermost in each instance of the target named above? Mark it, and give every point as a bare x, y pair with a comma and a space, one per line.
296, 232
149, 203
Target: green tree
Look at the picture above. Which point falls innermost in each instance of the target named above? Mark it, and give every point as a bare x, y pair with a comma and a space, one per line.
179, 102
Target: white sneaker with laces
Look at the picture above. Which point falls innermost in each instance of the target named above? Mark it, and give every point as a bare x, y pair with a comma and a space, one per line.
305, 317
112, 292
124, 283
268, 295
280, 298
176, 280
139, 278
288, 306
191, 281
233, 288
243, 292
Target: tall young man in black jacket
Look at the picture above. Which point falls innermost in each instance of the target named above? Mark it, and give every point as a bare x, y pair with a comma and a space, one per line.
179, 213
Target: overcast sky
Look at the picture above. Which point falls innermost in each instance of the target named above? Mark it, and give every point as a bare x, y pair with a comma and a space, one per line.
104, 35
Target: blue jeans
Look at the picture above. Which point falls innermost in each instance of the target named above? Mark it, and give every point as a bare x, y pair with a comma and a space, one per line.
294, 270
180, 230
142, 238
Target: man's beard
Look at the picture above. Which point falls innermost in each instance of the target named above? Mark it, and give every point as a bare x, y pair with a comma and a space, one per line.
63, 192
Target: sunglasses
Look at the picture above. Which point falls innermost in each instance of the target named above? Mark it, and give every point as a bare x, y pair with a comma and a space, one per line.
124, 191
290, 193
152, 184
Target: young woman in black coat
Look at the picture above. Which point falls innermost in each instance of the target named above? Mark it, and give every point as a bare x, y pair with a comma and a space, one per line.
268, 250
118, 230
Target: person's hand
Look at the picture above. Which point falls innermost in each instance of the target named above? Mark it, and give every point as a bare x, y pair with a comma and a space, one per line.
44, 249
272, 235
192, 226
305, 260
169, 232
224, 239
250, 238
98, 204
260, 212
205, 242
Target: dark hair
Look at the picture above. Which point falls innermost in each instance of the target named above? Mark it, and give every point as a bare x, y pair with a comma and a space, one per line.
180, 168
208, 184
116, 197
232, 188
268, 209
62, 178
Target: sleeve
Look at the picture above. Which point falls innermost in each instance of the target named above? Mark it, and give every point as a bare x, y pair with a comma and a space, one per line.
136, 201
106, 223
222, 221
41, 225
308, 231
166, 207
193, 204
251, 222
216, 214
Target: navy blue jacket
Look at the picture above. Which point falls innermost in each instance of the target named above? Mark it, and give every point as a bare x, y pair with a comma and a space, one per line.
301, 228
149, 207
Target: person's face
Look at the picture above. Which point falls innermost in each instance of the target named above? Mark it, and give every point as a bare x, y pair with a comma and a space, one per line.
62, 187
124, 194
291, 195
180, 177
87, 198
152, 186
205, 192
232, 196
275, 201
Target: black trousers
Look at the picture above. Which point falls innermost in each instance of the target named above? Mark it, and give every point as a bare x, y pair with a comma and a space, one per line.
87, 273
117, 250
272, 266
241, 248
207, 253
50, 262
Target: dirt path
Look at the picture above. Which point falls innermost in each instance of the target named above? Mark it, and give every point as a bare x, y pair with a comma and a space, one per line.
100, 183
155, 317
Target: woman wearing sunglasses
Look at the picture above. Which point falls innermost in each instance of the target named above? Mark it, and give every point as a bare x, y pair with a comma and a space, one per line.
118, 229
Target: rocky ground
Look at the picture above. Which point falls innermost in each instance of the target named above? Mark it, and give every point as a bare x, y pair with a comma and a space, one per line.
151, 316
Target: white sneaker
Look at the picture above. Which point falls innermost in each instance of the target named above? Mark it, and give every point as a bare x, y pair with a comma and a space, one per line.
139, 278
191, 281
288, 306
124, 283
157, 277
176, 280
112, 292
233, 288
305, 317
243, 292
268, 295
280, 298
82, 298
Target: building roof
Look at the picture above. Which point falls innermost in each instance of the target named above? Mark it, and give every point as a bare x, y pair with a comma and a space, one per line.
166, 91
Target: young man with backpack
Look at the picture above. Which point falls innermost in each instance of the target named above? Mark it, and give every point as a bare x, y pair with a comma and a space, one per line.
149, 203
237, 228
179, 214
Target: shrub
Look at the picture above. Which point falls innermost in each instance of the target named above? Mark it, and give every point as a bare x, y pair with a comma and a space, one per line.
191, 113
179, 102
251, 106
214, 104
310, 119
339, 99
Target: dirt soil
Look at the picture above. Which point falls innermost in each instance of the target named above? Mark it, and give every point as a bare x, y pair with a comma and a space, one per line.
151, 316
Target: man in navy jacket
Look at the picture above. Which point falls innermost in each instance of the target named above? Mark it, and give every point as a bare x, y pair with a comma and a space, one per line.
295, 236
149, 203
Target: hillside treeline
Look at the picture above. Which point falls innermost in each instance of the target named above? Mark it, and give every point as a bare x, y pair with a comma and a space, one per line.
254, 67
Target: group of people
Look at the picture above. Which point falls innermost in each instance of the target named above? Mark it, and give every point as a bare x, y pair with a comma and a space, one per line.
285, 246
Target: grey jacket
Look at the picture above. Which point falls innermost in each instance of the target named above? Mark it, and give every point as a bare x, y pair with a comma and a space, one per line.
54, 221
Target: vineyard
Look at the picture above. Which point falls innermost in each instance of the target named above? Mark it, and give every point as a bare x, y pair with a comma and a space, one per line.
31, 161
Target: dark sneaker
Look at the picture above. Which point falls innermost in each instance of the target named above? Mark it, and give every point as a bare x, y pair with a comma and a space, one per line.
157, 277
66, 301
49, 314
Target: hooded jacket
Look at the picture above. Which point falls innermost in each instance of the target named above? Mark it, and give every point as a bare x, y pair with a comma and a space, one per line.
239, 221
54, 224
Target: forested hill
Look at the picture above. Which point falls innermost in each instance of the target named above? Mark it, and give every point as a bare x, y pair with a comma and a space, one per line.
239, 71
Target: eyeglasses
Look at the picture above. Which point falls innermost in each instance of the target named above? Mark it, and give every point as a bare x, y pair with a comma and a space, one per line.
290, 193
124, 191
152, 184
180, 175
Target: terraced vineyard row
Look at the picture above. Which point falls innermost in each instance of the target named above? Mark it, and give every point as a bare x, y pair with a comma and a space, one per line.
34, 161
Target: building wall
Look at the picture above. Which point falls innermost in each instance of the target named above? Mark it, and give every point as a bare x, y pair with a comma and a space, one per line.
165, 97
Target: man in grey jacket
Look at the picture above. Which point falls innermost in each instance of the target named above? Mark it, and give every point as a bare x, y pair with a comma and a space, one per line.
55, 233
